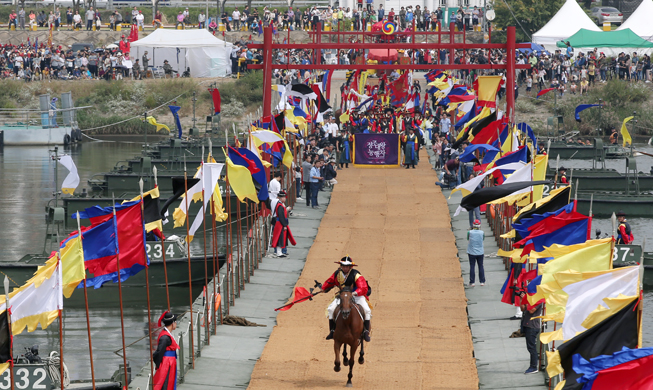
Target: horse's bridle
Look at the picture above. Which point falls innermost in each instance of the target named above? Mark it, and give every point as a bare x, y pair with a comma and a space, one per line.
345, 313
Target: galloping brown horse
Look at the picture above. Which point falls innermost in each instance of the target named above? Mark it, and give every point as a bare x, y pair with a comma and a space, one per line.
349, 331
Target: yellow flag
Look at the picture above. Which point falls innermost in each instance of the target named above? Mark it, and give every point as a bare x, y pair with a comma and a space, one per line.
557, 250
624, 132
151, 120
487, 90
592, 258
240, 180
601, 313
72, 265
218, 207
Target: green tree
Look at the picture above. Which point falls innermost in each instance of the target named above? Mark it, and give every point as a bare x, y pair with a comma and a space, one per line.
530, 15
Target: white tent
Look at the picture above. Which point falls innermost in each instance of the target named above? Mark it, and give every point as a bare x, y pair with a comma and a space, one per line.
565, 23
199, 50
640, 21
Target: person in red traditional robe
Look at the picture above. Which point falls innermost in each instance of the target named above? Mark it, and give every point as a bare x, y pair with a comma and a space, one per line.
165, 356
281, 233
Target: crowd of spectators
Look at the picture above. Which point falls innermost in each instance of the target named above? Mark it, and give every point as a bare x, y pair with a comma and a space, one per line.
359, 19
38, 62
577, 73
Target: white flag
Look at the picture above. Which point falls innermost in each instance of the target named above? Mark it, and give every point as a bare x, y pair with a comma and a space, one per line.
72, 180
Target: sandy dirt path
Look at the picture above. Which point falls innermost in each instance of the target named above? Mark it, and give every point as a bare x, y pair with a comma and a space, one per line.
395, 225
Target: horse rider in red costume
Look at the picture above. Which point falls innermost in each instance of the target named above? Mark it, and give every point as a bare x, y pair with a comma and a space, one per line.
347, 276
165, 356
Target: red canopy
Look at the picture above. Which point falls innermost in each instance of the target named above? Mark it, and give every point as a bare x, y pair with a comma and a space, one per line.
383, 55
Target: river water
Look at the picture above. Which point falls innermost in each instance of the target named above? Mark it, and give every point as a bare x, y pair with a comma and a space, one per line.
27, 183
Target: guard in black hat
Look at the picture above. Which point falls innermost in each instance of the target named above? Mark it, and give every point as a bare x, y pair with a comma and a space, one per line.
347, 276
624, 232
562, 172
165, 356
281, 234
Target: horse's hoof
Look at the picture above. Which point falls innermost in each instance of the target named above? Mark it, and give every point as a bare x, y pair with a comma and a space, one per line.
349, 384
336, 368
345, 362
361, 360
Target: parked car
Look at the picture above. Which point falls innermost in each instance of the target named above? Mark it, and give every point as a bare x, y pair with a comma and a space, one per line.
607, 14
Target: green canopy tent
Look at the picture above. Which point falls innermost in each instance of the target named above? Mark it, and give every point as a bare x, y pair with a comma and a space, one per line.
610, 42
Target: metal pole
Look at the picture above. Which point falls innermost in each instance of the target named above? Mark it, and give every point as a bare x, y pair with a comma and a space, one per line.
216, 269
122, 319
11, 345
241, 271
206, 269
190, 278
147, 285
88, 320
60, 342
267, 71
510, 73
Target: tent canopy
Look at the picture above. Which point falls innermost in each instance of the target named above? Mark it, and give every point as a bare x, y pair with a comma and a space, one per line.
199, 50
565, 23
640, 21
538, 49
178, 38
383, 54
618, 39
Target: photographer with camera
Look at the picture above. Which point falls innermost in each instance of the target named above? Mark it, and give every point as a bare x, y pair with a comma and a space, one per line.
450, 174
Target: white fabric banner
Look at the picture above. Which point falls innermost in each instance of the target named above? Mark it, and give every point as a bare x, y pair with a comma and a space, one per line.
72, 180
585, 296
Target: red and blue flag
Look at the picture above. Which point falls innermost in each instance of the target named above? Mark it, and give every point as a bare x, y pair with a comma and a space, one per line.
111, 236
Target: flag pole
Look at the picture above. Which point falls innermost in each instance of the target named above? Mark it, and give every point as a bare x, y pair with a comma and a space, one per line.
147, 279
88, 320
58, 271
206, 269
163, 246
229, 252
11, 344
216, 270
190, 282
214, 251
122, 318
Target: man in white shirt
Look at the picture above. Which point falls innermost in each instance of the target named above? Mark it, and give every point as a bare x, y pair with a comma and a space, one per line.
331, 129
140, 20
445, 124
274, 186
201, 19
236, 19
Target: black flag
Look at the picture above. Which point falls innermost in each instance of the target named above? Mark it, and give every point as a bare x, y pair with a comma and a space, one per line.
488, 194
605, 338
5, 341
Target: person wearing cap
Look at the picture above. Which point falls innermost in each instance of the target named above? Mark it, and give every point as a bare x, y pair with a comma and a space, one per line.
125, 45
145, 62
281, 233
330, 172
624, 231
562, 172
167, 69
165, 356
136, 69
475, 253
347, 276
